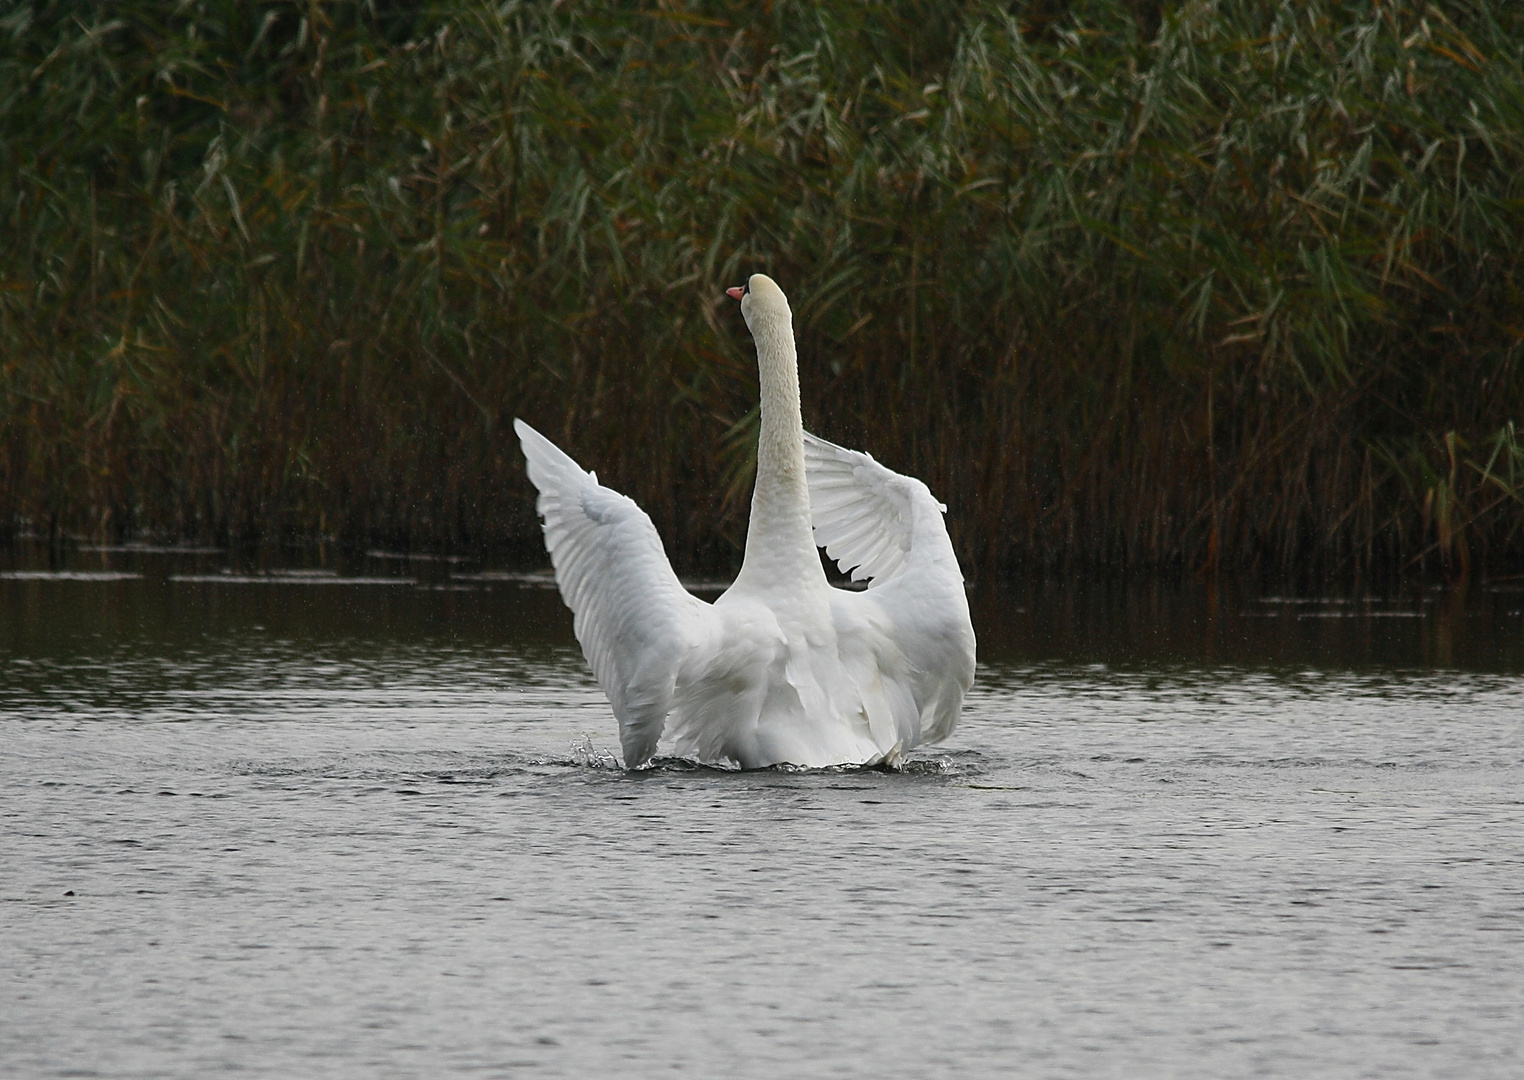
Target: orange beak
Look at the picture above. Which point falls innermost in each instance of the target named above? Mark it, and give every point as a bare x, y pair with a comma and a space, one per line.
735, 292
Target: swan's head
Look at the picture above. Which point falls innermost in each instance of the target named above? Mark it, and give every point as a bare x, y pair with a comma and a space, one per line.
762, 303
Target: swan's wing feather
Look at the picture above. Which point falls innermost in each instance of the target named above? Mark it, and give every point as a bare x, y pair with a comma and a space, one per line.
863, 513
879, 524
633, 618
934, 632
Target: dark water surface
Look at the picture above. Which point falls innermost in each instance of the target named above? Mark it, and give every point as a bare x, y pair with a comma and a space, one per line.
359, 820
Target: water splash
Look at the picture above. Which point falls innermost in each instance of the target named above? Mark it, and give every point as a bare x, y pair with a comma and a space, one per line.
938, 767
585, 755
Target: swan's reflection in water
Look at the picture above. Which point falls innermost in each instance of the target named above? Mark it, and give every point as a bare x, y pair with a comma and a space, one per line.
377, 834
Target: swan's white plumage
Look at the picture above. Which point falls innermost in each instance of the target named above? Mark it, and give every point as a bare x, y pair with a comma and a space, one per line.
782, 667
863, 514
634, 619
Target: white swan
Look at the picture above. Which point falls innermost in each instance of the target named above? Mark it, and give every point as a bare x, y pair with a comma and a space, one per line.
782, 668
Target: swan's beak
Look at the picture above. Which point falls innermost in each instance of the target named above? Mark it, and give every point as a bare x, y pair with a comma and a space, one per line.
735, 292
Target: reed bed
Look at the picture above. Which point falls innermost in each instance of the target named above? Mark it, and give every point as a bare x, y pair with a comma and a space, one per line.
1184, 285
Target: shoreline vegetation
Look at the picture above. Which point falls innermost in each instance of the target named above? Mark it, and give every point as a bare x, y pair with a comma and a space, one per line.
1131, 286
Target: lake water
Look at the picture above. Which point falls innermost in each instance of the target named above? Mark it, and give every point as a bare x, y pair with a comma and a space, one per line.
360, 820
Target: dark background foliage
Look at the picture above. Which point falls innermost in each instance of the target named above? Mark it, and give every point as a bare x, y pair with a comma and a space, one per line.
1130, 285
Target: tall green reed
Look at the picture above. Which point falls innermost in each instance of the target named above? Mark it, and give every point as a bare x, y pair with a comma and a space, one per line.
1188, 285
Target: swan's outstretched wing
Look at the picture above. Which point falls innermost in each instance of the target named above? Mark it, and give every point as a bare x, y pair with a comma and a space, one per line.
869, 518
881, 525
634, 619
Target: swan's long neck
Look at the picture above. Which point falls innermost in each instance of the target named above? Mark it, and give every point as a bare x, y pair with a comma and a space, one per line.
780, 546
